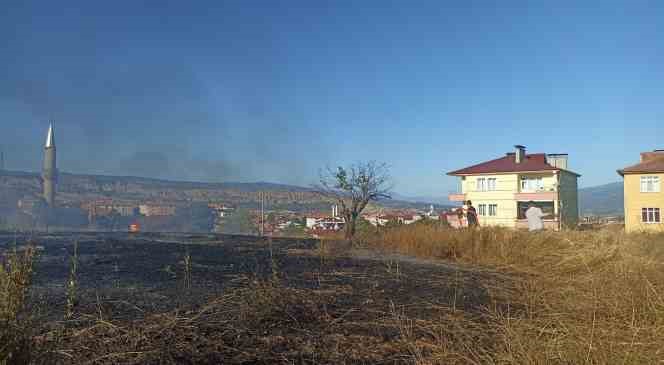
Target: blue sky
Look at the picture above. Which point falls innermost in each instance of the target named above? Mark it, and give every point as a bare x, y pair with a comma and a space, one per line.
272, 91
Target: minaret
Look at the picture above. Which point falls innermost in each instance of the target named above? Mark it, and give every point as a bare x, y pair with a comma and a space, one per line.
50, 171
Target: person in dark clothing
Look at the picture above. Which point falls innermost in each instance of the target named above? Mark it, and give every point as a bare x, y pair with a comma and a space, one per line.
471, 215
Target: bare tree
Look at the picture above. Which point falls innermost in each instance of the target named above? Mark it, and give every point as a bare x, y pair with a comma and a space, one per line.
353, 188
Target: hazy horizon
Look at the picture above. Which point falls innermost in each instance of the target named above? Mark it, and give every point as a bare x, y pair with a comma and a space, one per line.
248, 91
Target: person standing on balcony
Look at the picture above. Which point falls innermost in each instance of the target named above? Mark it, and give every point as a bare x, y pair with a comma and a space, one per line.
534, 215
471, 215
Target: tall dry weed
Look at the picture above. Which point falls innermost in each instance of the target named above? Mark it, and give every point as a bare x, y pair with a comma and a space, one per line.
72, 283
16, 270
581, 296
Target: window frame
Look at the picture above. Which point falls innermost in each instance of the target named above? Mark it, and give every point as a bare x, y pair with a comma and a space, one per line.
652, 179
493, 208
482, 186
531, 184
547, 207
651, 215
491, 184
481, 210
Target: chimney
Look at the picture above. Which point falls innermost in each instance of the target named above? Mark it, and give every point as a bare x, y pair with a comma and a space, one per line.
650, 156
519, 153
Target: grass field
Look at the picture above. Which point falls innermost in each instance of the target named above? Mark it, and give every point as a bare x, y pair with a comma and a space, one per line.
579, 297
421, 294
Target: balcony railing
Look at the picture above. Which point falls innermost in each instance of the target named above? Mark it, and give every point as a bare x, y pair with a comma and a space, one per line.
534, 188
536, 195
544, 193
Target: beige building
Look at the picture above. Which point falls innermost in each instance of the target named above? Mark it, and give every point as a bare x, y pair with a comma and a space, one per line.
644, 197
108, 206
156, 209
502, 189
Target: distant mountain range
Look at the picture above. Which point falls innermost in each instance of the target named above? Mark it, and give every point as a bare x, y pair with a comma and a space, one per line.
602, 200
77, 188
597, 200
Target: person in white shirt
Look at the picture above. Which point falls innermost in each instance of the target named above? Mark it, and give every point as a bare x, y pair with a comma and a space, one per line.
534, 216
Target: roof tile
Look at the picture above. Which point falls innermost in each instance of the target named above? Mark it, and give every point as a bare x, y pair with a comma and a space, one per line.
655, 164
532, 162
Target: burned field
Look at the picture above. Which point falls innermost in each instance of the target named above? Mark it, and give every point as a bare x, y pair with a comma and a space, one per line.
233, 299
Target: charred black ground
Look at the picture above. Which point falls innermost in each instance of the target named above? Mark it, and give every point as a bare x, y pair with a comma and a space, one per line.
314, 295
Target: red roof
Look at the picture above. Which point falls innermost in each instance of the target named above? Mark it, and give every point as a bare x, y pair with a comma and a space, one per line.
654, 163
507, 163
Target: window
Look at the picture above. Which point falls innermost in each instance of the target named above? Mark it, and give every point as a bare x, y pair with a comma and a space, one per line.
493, 210
650, 184
650, 215
531, 183
481, 184
546, 206
486, 184
491, 184
481, 209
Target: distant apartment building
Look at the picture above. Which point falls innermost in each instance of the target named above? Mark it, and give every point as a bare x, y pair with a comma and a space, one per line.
644, 198
156, 209
221, 214
502, 189
376, 219
29, 204
221, 210
98, 208
324, 222
396, 217
321, 220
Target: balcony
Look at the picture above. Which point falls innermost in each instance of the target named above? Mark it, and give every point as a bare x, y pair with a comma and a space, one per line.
545, 193
456, 197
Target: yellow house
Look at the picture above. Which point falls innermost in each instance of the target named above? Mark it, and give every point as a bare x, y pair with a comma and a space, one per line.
502, 189
644, 198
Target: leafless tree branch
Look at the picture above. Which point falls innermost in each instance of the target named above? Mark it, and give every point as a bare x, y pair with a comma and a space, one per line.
354, 187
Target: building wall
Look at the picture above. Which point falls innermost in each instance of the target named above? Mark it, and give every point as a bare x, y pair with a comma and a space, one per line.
569, 199
503, 196
635, 200
156, 210
126, 210
507, 185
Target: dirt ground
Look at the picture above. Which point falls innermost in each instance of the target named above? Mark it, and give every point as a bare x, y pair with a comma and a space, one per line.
124, 278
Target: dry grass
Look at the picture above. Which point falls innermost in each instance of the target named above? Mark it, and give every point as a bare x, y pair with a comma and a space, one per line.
15, 278
569, 298
581, 297
268, 323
